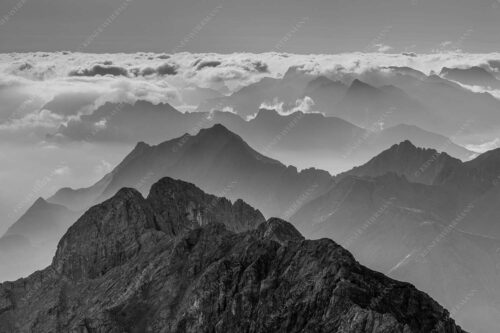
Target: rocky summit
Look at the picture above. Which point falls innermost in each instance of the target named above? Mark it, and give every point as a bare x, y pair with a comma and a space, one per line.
181, 260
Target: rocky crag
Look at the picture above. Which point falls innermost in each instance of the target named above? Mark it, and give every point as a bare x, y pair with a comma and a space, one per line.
184, 261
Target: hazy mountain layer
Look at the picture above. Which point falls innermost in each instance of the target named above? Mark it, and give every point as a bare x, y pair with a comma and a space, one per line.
416, 164
269, 132
30, 243
439, 231
218, 161
473, 76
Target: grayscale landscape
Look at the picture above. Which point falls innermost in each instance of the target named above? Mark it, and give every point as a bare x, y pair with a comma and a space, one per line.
265, 166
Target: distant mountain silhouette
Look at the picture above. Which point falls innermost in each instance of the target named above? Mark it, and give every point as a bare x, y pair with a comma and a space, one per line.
216, 159
447, 101
421, 138
248, 99
473, 76
31, 241
366, 106
310, 133
325, 93
416, 164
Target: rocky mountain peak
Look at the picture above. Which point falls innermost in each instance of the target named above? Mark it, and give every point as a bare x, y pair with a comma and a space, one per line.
116, 230
118, 269
106, 236
216, 130
404, 146
279, 230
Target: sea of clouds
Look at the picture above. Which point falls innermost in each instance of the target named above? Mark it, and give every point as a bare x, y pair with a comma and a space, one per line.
83, 82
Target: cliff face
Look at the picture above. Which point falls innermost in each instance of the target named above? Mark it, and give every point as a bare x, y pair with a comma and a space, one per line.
171, 263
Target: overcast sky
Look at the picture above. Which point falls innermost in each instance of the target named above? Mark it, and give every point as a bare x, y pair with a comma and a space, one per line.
297, 26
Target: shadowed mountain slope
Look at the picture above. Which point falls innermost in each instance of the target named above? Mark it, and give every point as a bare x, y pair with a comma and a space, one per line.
160, 264
440, 226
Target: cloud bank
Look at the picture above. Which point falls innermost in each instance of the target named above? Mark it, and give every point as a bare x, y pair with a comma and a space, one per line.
41, 90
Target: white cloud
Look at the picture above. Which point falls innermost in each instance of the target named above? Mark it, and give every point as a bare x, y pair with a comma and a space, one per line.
39, 77
43, 118
274, 105
101, 125
484, 147
383, 48
229, 109
304, 105
62, 171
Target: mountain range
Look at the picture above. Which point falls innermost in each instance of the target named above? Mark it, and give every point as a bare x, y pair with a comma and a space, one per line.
170, 263
472, 76
281, 136
392, 96
216, 159
410, 212
419, 215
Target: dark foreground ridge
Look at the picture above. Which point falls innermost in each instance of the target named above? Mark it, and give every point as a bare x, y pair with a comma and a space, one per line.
184, 261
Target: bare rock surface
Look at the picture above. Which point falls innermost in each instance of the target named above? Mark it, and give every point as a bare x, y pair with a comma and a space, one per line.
184, 261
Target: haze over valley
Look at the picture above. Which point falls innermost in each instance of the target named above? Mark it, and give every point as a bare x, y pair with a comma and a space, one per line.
273, 166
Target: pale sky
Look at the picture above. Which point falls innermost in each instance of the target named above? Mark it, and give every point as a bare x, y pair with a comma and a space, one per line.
295, 26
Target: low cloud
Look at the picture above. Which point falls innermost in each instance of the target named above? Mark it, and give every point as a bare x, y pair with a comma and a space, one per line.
484, 147
40, 119
28, 81
305, 105
383, 48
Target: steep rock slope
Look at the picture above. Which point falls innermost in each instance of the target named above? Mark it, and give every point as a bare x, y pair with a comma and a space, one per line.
145, 265
414, 232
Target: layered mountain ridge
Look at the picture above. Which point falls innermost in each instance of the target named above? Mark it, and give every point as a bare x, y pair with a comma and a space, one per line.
32, 240
218, 161
169, 263
389, 211
424, 217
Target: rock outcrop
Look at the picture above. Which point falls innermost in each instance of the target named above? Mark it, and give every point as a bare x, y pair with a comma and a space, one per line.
170, 263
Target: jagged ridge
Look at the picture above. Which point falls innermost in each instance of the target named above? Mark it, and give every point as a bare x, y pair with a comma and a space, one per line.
146, 265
